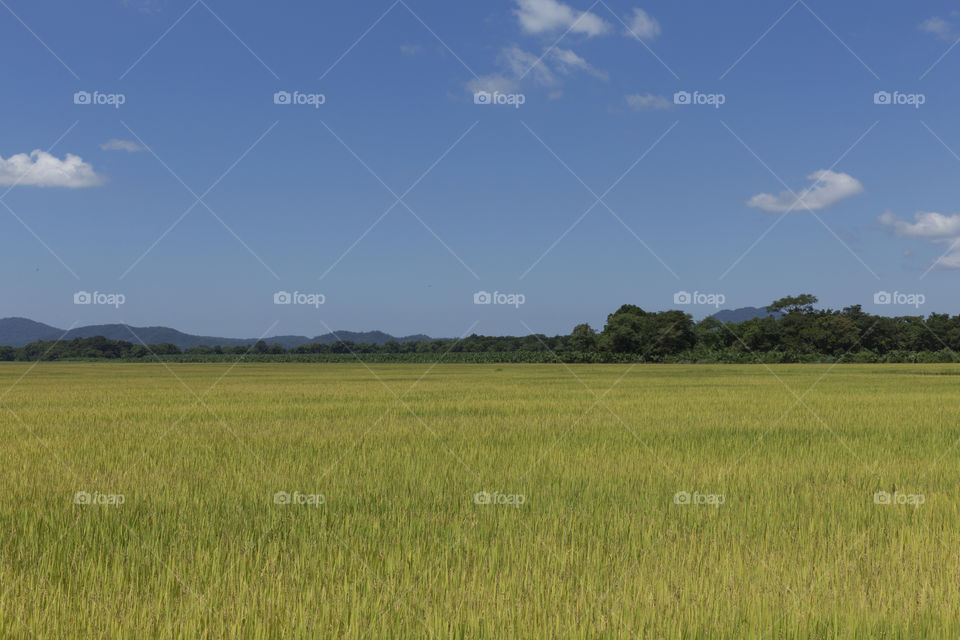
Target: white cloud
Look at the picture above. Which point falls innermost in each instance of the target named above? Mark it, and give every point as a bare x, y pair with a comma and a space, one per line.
948, 261
641, 102
521, 66
545, 16
934, 227
938, 27
927, 225
829, 188
410, 49
566, 62
115, 144
492, 83
41, 169
642, 25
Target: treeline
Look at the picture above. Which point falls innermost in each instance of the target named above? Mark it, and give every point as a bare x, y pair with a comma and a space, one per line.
797, 333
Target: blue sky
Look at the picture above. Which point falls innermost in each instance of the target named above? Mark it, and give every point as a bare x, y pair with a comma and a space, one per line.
199, 197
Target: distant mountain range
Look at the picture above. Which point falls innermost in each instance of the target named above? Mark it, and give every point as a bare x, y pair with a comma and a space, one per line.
17, 332
743, 314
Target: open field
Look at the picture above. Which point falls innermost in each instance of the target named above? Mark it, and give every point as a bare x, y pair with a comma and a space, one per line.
788, 540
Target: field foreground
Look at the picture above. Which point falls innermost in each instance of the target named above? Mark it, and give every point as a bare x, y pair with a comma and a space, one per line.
479, 501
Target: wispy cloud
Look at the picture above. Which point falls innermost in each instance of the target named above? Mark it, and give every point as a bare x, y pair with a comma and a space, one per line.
648, 101
927, 225
943, 29
642, 25
115, 144
934, 227
829, 188
524, 67
548, 16
41, 169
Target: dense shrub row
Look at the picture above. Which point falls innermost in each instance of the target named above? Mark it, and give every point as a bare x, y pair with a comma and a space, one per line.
798, 333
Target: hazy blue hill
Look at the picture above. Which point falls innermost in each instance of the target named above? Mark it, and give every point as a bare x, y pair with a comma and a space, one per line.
743, 313
17, 332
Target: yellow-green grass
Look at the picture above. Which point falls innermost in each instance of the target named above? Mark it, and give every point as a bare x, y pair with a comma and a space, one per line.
399, 548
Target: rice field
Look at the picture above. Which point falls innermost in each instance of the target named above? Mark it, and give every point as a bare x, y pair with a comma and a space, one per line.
479, 501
